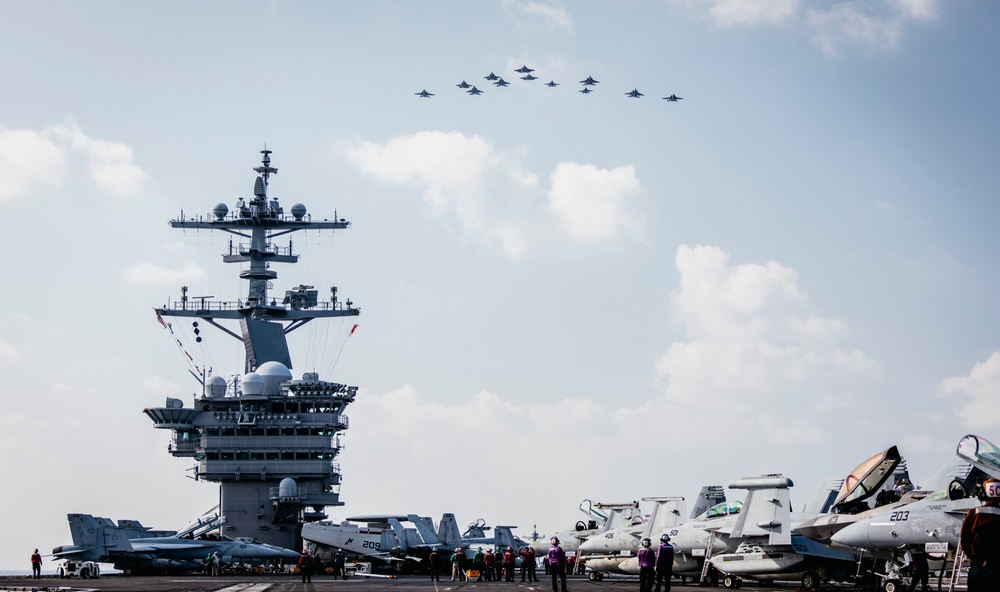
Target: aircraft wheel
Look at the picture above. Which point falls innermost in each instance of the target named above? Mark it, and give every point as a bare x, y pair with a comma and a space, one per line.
892, 586
730, 582
810, 580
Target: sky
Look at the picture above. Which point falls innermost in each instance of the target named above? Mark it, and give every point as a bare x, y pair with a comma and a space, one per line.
563, 296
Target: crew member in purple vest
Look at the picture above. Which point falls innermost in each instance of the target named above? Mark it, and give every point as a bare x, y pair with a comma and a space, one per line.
664, 562
647, 566
557, 564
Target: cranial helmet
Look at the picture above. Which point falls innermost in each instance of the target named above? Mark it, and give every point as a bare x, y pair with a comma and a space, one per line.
664, 538
646, 542
555, 540
991, 488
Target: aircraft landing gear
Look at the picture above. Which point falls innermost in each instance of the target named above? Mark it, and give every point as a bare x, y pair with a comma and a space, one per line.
893, 586
810, 580
596, 576
731, 582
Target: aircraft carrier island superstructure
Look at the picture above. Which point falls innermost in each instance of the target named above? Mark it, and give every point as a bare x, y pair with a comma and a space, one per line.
268, 440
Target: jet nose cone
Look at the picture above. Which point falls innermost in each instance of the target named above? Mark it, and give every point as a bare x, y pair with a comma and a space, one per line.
854, 536
591, 546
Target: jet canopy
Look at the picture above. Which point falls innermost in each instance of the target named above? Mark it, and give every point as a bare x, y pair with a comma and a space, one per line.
866, 479
724, 509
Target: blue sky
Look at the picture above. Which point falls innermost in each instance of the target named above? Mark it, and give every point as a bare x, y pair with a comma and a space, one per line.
584, 295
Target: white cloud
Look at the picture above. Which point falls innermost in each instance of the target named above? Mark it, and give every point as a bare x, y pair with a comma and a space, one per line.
110, 163
8, 353
492, 197
157, 385
147, 273
31, 159
977, 394
538, 15
760, 382
876, 24
752, 12
753, 342
593, 204
848, 23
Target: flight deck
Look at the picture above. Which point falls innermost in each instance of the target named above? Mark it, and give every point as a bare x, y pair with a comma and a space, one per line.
291, 583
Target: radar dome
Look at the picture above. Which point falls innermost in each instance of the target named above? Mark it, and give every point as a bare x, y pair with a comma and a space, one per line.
253, 384
288, 488
273, 373
298, 210
220, 211
217, 386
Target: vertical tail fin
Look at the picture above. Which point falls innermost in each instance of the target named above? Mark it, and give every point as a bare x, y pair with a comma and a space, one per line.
709, 496
503, 536
425, 527
766, 511
667, 512
448, 532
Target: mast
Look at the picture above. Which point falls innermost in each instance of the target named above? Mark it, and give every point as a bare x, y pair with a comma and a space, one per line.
267, 439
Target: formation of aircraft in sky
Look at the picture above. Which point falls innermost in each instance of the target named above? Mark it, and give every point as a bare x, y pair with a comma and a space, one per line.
589, 84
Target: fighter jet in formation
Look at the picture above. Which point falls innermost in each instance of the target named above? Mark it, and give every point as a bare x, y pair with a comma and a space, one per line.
474, 91
524, 70
672, 98
500, 82
463, 84
586, 91
491, 77
529, 77
589, 81
634, 93
552, 84
424, 94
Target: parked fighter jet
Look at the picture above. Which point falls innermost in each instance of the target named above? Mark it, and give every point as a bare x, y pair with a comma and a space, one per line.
384, 539
463, 84
586, 91
634, 93
552, 84
491, 76
673, 98
474, 91
424, 94
500, 82
589, 81
760, 557
604, 517
100, 539
936, 518
613, 551
529, 77
524, 70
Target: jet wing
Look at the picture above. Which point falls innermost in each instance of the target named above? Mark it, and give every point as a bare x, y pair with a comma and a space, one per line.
155, 547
